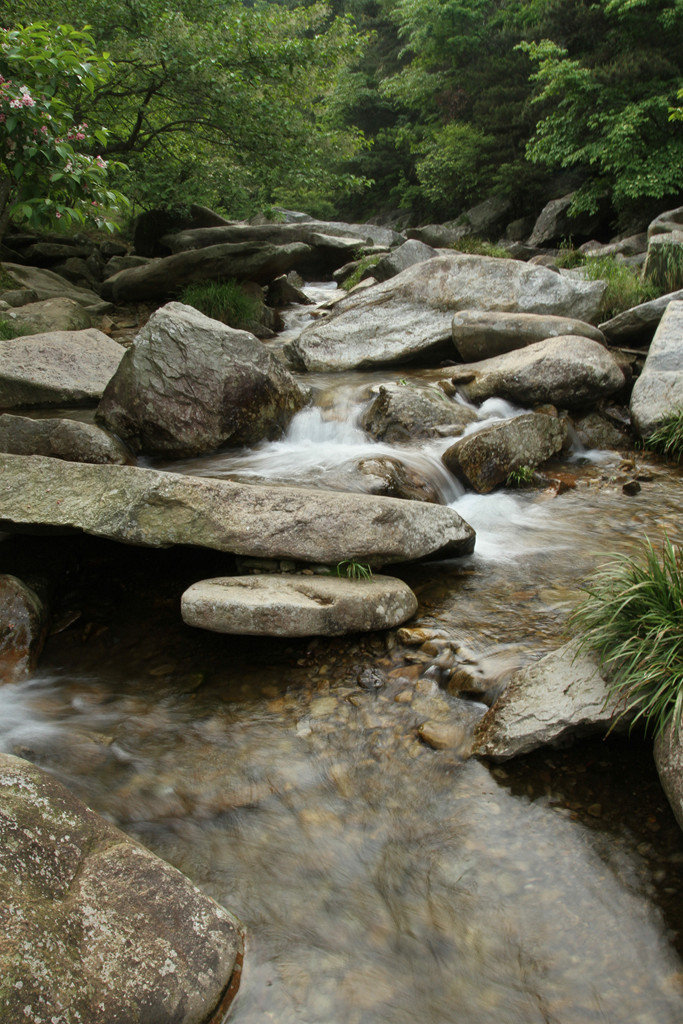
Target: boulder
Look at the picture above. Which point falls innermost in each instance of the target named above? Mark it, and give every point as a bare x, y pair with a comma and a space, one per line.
485, 459
49, 315
439, 236
406, 255
59, 368
162, 278
126, 262
639, 323
596, 431
309, 232
554, 224
291, 605
560, 697
281, 292
669, 761
23, 628
44, 284
658, 392
151, 225
85, 273
189, 384
484, 220
99, 929
154, 509
567, 371
401, 412
43, 254
385, 475
666, 223
480, 335
410, 315
664, 261
61, 439
632, 245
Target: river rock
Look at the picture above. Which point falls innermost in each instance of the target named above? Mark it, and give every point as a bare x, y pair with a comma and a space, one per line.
309, 232
98, 929
554, 224
658, 392
281, 292
49, 315
483, 220
58, 368
44, 284
559, 697
639, 323
162, 278
406, 255
401, 412
189, 384
286, 605
23, 628
632, 245
61, 439
154, 509
485, 459
666, 223
596, 431
656, 264
480, 335
566, 371
392, 478
127, 262
410, 316
669, 761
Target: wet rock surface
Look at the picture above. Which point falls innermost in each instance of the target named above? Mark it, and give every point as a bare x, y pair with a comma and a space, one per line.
479, 335
61, 439
23, 628
102, 930
404, 411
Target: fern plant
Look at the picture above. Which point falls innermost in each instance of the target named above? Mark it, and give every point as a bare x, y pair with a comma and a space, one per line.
352, 570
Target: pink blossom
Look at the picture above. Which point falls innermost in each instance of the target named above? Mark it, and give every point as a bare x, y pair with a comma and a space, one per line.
43, 129
100, 162
58, 215
15, 104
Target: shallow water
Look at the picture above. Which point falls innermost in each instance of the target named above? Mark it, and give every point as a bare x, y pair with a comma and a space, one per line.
379, 880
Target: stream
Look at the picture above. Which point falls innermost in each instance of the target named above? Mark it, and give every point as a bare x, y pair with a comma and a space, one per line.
379, 881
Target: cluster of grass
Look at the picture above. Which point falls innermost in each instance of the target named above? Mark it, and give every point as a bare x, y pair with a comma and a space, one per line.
472, 245
222, 300
9, 330
667, 439
521, 477
632, 617
625, 285
7, 283
665, 267
353, 279
352, 570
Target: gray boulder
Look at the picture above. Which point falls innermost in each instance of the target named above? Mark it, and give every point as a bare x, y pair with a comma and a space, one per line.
383, 474
666, 223
162, 278
639, 323
23, 628
44, 284
406, 255
485, 459
291, 605
483, 220
102, 931
48, 315
59, 368
554, 224
410, 315
127, 262
146, 507
310, 232
61, 439
597, 431
658, 392
401, 412
669, 761
567, 371
632, 245
189, 384
658, 265
282, 292
480, 335
558, 698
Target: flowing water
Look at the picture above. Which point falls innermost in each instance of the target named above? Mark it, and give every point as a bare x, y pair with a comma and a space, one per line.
378, 880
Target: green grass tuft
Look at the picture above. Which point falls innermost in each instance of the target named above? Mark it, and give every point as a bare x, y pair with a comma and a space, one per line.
667, 439
9, 330
354, 278
472, 245
223, 300
353, 570
625, 287
665, 267
632, 617
7, 283
521, 477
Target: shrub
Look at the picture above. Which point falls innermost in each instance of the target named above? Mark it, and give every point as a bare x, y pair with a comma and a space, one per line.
632, 617
354, 278
475, 246
667, 439
523, 476
353, 570
625, 288
223, 300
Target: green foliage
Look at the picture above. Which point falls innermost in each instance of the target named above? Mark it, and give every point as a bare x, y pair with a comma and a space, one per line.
625, 287
479, 247
222, 300
521, 477
353, 570
354, 278
667, 439
632, 617
51, 170
9, 330
665, 266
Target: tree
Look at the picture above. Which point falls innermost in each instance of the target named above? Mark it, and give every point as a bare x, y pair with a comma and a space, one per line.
49, 170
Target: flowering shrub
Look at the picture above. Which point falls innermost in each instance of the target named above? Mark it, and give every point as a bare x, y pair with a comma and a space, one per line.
50, 168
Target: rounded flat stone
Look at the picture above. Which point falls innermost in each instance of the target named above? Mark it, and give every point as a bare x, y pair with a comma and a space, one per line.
290, 605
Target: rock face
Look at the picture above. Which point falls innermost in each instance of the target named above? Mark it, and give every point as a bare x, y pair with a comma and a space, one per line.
61, 439
23, 627
101, 929
658, 392
59, 368
669, 761
479, 335
406, 255
189, 384
288, 605
309, 232
484, 460
402, 412
146, 507
49, 315
565, 371
640, 322
411, 314
559, 697
44, 284
247, 261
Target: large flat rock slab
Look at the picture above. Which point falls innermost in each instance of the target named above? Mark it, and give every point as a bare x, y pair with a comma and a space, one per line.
289, 605
147, 507
59, 368
49, 315
481, 335
95, 928
410, 315
60, 439
45, 284
658, 392
640, 322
